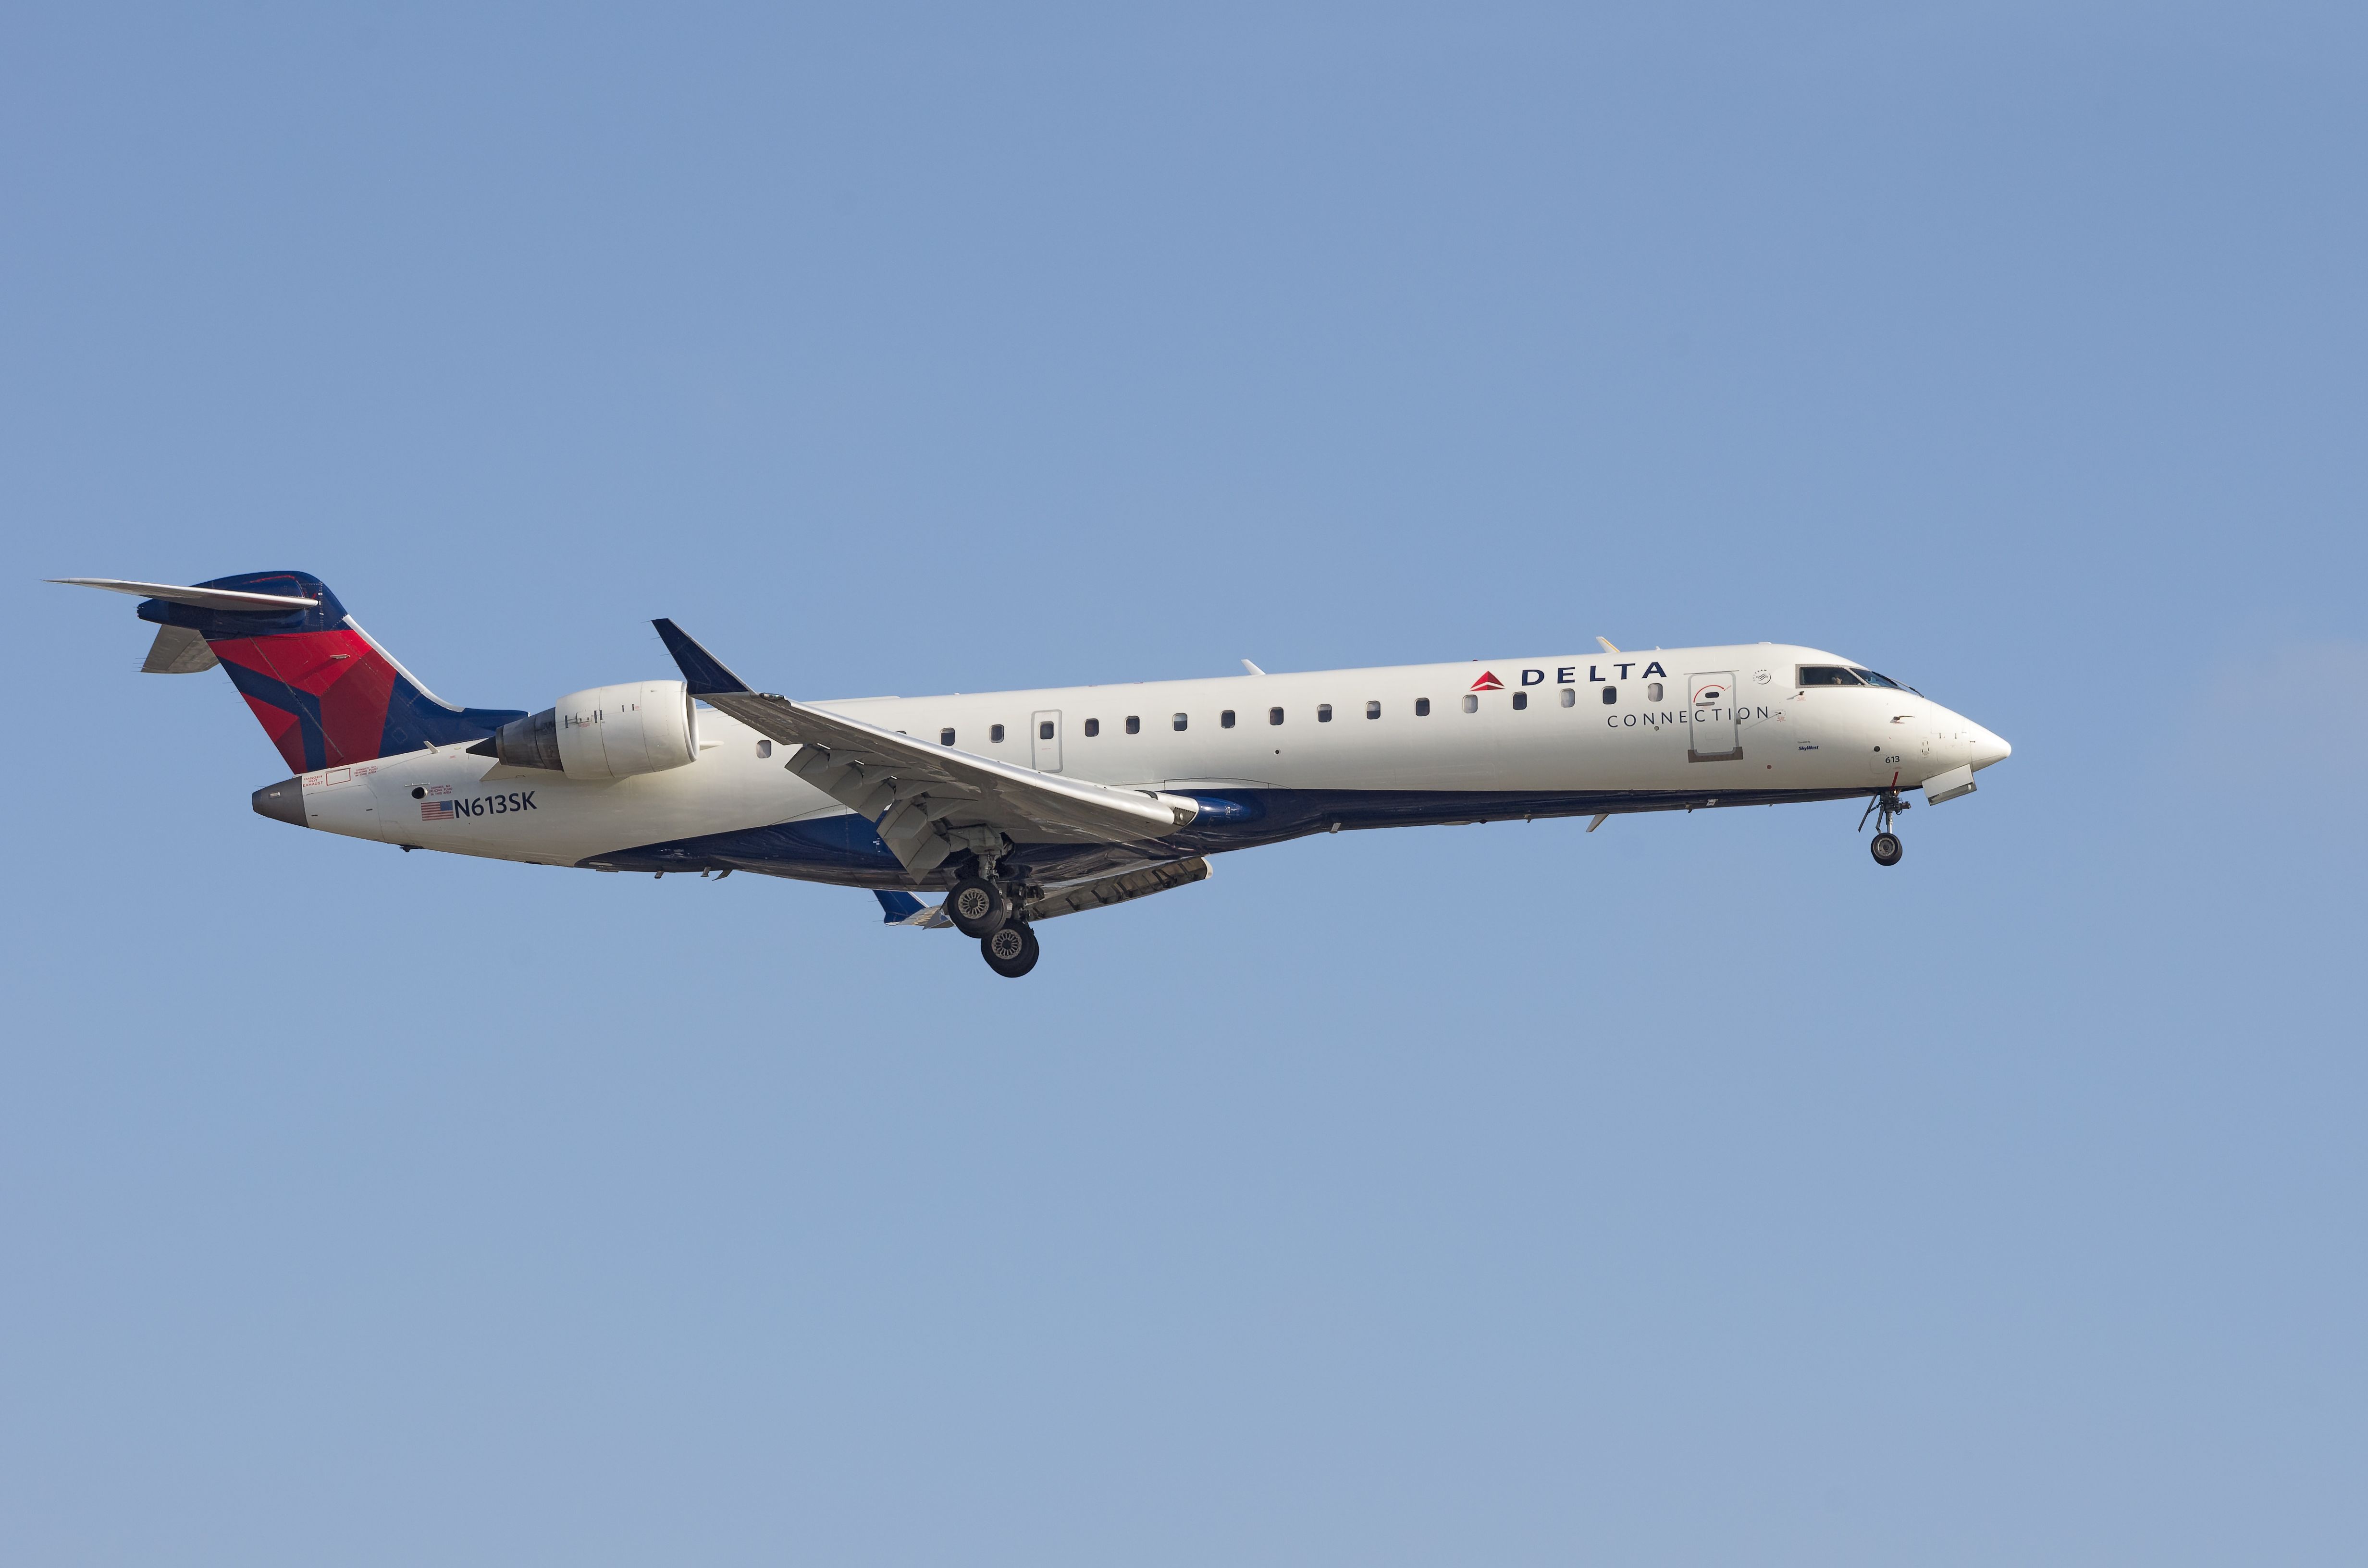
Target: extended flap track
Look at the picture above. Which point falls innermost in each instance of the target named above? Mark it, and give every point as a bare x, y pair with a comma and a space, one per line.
905, 809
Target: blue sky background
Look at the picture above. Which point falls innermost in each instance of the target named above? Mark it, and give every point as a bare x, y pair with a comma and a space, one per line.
1695, 1192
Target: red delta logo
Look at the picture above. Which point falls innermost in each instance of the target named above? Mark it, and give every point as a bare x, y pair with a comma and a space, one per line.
1488, 682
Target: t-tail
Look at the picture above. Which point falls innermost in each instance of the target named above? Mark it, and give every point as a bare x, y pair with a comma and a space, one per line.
325, 691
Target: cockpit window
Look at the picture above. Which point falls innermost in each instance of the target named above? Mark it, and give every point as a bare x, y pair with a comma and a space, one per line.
1828, 675
1874, 679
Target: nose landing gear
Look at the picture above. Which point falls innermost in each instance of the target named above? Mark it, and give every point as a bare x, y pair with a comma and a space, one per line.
1886, 849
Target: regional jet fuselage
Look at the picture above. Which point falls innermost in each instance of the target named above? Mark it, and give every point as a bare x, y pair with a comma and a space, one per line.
1023, 805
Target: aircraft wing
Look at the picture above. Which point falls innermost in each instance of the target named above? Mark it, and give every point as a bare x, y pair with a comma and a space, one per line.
925, 797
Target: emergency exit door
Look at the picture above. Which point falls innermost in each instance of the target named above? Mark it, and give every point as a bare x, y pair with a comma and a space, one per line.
1714, 725
1045, 734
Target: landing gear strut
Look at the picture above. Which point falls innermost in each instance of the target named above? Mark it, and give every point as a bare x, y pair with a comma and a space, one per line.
1011, 950
1887, 847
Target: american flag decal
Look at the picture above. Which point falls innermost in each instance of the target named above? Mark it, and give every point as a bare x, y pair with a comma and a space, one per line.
436, 810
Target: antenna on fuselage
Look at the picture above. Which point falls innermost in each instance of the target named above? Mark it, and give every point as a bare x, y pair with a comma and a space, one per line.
1607, 645
1252, 668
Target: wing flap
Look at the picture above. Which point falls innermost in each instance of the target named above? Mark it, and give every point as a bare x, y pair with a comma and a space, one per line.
928, 801
918, 789
1101, 894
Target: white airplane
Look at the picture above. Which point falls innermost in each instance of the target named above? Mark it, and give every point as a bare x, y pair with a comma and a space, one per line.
1023, 805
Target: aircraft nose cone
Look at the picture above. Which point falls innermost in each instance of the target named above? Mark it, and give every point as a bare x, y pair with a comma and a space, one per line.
283, 802
1990, 748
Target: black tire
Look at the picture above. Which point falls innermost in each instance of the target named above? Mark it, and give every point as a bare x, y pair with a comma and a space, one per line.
977, 907
1020, 956
1886, 849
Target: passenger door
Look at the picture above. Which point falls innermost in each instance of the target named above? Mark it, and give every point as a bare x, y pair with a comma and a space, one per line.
1044, 735
1714, 731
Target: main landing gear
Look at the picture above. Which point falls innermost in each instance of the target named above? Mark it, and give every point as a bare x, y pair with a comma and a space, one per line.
1886, 849
978, 907
1011, 950
981, 907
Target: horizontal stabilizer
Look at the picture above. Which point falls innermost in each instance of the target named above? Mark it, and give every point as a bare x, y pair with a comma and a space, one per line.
702, 669
323, 689
198, 599
178, 651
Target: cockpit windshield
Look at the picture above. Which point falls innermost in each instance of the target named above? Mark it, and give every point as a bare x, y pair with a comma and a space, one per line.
1847, 675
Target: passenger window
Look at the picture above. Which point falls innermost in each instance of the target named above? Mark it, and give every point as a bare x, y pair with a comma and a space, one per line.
1225, 720
1610, 695
995, 734
764, 749
945, 737
1274, 715
1182, 721
1133, 724
1323, 712
1570, 697
1827, 675
1045, 731
1372, 710
1093, 727
1422, 707
1471, 703
1652, 691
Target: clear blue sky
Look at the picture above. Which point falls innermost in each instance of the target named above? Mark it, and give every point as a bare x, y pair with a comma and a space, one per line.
1694, 1192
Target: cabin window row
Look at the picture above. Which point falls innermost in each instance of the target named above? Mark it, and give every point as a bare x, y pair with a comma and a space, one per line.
1227, 718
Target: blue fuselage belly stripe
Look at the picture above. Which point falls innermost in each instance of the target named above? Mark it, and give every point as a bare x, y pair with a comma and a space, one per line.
845, 849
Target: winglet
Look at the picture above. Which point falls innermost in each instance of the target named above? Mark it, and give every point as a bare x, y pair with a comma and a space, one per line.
904, 909
702, 669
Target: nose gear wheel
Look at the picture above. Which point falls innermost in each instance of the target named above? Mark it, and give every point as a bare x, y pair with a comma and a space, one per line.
1886, 849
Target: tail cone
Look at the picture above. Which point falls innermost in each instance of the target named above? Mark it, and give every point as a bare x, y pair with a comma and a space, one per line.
283, 802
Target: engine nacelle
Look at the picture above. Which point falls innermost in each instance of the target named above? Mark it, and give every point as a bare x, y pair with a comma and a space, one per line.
609, 731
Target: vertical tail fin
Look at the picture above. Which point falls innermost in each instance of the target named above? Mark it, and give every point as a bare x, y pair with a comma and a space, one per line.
325, 693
